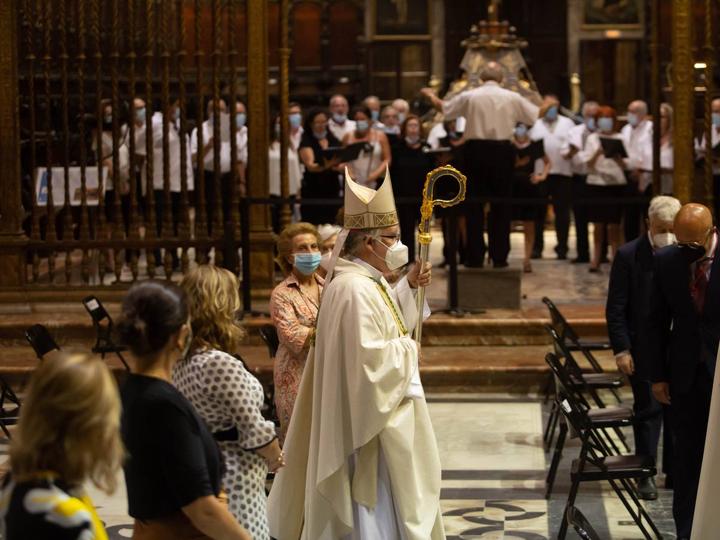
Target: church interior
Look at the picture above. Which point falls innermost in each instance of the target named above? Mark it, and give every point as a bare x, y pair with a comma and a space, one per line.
146, 81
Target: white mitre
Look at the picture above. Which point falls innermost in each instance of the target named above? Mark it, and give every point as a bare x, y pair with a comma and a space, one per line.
366, 208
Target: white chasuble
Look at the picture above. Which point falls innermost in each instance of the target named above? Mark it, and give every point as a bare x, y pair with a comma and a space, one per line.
360, 450
706, 522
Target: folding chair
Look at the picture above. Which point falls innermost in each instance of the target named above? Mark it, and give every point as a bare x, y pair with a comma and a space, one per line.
604, 418
103, 324
567, 333
268, 333
597, 463
581, 524
40, 340
593, 382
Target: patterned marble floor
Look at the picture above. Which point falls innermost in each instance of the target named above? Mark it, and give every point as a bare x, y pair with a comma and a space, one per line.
493, 477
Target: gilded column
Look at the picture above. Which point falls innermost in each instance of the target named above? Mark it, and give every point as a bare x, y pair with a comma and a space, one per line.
285, 212
709, 50
261, 240
12, 272
683, 98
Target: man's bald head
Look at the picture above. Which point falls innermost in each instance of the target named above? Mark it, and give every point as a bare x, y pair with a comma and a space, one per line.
693, 224
492, 72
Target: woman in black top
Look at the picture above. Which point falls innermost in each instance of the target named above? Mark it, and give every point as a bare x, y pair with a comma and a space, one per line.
320, 180
174, 467
410, 164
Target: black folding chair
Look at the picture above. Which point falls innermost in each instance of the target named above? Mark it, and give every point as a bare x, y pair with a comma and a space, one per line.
41, 340
604, 418
596, 462
268, 333
567, 333
591, 383
103, 325
581, 524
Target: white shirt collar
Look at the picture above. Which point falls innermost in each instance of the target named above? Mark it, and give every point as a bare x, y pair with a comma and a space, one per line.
491, 83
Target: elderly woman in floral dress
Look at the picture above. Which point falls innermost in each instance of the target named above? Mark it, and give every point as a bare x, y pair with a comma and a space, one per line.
293, 307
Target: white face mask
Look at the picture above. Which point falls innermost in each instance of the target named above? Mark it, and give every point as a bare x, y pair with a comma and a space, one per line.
396, 256
325, 260
663, 240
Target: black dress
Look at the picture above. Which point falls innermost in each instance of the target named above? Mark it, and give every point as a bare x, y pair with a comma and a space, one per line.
525, 190
319, 185
408, 170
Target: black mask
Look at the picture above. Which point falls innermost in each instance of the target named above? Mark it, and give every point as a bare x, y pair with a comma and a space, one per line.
692, 253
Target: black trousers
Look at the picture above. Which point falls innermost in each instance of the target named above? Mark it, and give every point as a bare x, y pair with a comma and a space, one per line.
582, 245
689, 415
490, 166
649, 417
408, 217
559, 189
160, 216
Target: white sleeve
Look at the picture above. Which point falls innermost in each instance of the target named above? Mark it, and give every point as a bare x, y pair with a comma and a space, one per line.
456, 106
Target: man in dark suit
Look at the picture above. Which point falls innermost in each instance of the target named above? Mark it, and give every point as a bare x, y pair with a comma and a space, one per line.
626, 311
682, 342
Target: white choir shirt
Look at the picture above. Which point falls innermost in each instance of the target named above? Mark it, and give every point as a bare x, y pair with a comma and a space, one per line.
577, 136
605, 172
174, 154
554, 136
491, 111
225, 149
700, 147
638, 143
294, 173
340, 130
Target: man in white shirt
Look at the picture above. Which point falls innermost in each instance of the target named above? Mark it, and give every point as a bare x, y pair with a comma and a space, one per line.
339, 125
553, 129
577, 136
207, 157
373, 103
700, 150
491, 114
637, 135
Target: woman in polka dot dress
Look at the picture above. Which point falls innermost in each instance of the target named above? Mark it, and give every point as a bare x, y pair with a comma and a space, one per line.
228, 396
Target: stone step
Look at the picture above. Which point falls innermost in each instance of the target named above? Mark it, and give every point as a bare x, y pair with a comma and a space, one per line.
519, 368
71, 325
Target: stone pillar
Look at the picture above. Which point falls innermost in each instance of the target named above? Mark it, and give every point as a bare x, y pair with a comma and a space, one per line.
261, 240
683, 98
437, 30
12, 239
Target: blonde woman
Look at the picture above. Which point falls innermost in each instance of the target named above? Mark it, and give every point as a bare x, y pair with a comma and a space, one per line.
227, 396
68, 433
294, 305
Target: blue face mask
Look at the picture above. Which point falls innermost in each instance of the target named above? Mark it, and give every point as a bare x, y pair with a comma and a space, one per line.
375, 115
716, 119
521, 130
551, 114
633, 119
401, 117
240, 119
140, 115
605, 124
362, 125
320, 135
295, 120
590, 123
339, 118
307, 263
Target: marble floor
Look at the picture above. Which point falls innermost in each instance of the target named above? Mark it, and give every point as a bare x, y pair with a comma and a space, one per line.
493, 476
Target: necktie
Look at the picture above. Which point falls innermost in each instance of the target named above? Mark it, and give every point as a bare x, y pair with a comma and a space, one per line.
699, 284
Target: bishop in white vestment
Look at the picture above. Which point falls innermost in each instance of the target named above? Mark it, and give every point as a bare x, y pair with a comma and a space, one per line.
362, 460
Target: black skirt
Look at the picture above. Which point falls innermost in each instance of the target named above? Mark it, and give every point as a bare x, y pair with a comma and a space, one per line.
525, 191
605, 211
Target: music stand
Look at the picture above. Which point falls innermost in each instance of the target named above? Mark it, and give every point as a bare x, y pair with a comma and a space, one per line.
40, 340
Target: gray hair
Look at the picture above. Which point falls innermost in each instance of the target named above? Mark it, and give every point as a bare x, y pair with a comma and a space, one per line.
492, 72
663, 209
589, 105
356, 238
641, 104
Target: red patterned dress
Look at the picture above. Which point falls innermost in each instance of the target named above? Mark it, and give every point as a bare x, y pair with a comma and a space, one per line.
293, 314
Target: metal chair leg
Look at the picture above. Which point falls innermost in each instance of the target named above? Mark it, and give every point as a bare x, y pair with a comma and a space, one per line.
557, 455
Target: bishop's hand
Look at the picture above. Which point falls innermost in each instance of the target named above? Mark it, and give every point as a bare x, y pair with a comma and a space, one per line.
418, 277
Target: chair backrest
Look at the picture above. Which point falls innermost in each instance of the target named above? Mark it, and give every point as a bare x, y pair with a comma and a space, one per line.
581, 524
97, 311
559, 323
572, 406
40, 340
269, 335
562, 350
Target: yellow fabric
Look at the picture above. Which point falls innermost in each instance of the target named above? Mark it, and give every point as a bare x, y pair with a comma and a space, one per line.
352, 399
